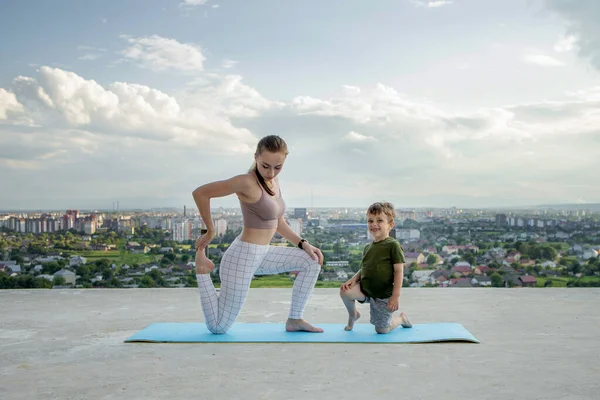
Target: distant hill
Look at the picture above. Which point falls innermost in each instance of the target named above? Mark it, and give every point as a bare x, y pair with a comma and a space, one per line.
585, 206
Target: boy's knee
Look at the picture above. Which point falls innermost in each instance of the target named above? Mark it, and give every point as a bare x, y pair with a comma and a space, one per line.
381, 330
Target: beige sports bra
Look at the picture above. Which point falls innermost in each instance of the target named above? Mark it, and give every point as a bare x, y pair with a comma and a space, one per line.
264, 213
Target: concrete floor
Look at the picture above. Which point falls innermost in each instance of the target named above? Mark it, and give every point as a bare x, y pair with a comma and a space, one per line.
68, 344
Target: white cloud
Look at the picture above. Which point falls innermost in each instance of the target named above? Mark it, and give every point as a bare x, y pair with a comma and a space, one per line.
62, 99
229, 63
431, 3
351, 90
582, 17
590, 94
194, 2
542, 60
103, 20
8, 103
228, 95
365, 144
215, 6
90, 53
356, 137
565, 43
161, 54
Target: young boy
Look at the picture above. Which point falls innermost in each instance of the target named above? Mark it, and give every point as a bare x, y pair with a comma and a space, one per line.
380, 278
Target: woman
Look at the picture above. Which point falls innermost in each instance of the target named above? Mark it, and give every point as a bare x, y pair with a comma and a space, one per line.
250, 253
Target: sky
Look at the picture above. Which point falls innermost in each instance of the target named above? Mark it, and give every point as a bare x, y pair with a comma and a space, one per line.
424, 103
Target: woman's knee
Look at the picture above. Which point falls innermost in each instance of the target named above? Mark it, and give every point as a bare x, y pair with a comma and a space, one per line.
217, 330
312, 264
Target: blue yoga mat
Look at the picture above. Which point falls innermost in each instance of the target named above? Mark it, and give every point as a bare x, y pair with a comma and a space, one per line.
179, 332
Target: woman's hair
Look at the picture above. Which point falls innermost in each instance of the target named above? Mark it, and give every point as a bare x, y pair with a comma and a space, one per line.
272, 144
383, 208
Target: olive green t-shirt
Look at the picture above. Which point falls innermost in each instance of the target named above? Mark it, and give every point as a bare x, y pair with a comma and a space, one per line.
377, 267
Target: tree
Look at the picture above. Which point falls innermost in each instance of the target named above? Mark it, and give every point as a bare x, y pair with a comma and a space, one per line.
497, 280
58, 281
147, 282
469, 257
432, 259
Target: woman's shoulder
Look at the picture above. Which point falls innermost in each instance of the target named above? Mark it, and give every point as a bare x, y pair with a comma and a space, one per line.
242, 182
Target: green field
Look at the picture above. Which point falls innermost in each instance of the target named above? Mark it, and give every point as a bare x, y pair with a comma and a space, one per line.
119, 257
561, 281
283, 281
556, 282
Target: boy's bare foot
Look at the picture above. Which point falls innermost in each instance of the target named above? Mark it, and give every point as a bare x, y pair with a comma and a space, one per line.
203, 264
351, 321
405, 323
298, 325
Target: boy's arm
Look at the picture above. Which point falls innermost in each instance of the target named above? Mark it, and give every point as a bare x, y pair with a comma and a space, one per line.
398, 279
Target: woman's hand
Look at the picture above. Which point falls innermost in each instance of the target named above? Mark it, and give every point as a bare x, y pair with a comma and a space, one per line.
204, 240
313, 252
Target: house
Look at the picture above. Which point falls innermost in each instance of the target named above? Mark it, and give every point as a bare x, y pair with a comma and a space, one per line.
16, 269
440, 272
549, 264
49, 259
77, 261
591, 253
333, 276
135, 247
423, 276
6, 266
442, 281
481, 270
515, 255
512, 279
464, 248
526, 262
337, 264
528, 280
461, 282
412, 257
481, 281
462, 264
461, 271
495, 253
506, 269
215, 252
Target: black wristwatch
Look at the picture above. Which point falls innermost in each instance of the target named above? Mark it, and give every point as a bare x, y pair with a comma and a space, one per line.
300, 243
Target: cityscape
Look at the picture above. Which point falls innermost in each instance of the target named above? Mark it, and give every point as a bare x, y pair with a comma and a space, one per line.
443, 247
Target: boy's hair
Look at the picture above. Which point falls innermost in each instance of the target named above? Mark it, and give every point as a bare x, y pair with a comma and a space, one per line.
383, 208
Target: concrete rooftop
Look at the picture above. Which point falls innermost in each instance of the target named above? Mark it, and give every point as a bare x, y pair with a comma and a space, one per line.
68, 344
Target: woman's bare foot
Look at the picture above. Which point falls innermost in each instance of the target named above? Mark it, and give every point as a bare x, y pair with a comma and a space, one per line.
203, 264
351, 321
405, 321
297, 325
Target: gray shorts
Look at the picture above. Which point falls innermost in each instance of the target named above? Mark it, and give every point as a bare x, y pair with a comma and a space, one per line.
381, 317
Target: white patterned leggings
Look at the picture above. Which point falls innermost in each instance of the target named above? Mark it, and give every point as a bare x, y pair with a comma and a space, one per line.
239, 264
